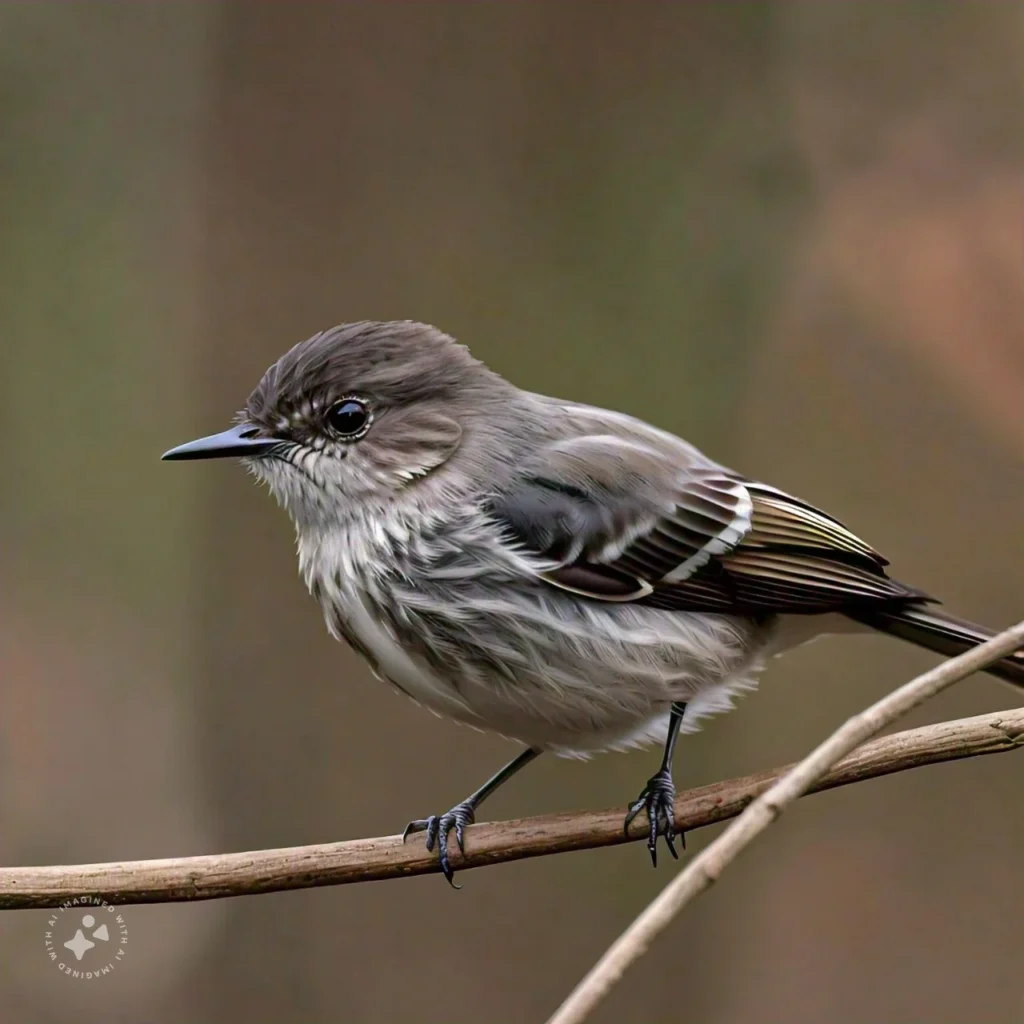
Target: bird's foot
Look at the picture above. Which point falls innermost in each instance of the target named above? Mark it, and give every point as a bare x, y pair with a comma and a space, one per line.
658, 799
437, 828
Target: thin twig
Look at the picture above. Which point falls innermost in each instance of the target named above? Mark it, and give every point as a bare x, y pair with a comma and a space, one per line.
704, 870
239, 874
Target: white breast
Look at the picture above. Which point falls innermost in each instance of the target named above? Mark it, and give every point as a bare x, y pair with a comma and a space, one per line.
394, 664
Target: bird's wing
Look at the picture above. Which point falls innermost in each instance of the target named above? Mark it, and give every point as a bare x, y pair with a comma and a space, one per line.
616, 519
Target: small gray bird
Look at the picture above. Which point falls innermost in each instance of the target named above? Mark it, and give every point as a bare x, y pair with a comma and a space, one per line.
568, 576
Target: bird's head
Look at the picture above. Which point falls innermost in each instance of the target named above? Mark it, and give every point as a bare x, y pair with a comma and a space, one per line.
355, 416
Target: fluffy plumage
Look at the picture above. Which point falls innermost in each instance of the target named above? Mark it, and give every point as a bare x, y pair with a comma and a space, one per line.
550, 571
568, 576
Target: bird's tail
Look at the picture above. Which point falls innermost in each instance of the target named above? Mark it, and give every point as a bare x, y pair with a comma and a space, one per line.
944, 634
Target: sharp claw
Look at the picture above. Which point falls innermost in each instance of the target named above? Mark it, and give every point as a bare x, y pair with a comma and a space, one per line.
670, 831
442, 856
437, 829
419, 825
446, 866
656, 800
670, 842
633, 810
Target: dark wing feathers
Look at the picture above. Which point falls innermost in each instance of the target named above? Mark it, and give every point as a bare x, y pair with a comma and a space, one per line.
691, 539
780, 520
555, 519
709, 514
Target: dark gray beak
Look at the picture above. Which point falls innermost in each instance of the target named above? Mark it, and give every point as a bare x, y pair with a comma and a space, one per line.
238, 442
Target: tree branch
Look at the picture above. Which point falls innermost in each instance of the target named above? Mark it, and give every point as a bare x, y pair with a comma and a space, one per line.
360, 860
704, 870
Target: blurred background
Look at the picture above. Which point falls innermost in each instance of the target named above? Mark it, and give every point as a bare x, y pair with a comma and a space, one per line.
791, 232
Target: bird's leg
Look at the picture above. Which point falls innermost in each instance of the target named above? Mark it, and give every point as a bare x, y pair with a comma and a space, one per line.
462, 814
659, 795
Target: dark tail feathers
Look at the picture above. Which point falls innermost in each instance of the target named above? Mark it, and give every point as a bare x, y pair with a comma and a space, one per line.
944, 634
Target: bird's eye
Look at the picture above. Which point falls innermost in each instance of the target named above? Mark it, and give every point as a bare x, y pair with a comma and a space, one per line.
349, 418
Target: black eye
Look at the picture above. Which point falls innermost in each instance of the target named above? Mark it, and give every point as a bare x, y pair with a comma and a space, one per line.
349, 418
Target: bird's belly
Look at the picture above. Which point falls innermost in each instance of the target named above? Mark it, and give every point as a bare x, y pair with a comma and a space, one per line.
535, 711
550, 692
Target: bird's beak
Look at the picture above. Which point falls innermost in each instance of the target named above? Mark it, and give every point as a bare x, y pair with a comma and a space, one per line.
238, 442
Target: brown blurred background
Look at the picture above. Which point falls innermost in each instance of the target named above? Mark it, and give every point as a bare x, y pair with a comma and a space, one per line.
791, 232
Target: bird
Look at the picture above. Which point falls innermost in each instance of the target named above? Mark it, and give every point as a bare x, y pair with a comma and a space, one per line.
567, 576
